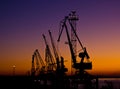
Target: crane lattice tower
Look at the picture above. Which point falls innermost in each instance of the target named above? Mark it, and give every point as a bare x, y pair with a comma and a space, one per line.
73, 19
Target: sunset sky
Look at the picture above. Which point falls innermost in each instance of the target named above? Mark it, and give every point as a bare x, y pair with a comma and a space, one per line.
22, 23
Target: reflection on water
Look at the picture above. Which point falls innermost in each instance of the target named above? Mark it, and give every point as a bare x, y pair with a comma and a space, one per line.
103, 83
114, 83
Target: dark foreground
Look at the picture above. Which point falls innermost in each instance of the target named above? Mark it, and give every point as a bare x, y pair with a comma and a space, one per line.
16, 82
27, 82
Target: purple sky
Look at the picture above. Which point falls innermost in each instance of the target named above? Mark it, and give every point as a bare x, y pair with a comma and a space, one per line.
22, 23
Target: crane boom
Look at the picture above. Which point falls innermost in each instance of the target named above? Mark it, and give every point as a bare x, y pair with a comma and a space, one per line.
42, 64
55, 51
61, 31
40, 58
48, 56
84, 48
69, 41
37, 63
76, 34
53, 45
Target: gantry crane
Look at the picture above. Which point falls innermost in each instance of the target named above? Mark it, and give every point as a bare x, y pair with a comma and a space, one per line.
48, 57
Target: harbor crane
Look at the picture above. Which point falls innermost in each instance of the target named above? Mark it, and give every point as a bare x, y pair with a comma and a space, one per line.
81, 65
38, 66
43, 66
48, 57
59, 60
55, 51
81, 76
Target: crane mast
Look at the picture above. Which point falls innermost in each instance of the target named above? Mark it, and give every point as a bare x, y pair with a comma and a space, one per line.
73, 18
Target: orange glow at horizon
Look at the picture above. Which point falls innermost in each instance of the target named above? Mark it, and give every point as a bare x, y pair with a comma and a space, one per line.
101, 65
